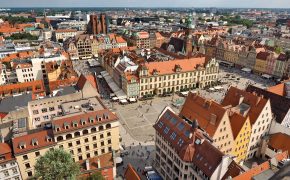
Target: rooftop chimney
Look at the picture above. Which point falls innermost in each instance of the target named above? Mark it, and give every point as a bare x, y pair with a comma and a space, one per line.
87, 164
99, 163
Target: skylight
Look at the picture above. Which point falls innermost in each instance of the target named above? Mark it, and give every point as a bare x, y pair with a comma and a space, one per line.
166, 130
173, 120
180, 126
173, 136
160, 124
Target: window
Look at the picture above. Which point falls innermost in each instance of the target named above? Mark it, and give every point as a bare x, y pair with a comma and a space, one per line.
29, 173
109, 141
87, 147
102, 143
108, 134
94, 138
79, 150
78, 142
88, 155
95, 145
14, 170
109, 148
173, 135
166, 130
96, 153
25, 157
27, 165
103, 150
70, 144
101, 136
80, 158
37, 153
86, 140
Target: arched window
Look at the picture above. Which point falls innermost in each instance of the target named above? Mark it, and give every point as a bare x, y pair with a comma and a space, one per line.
59, 138
108, 126
85, 131
77, 134
68, 136
94, 129
101, 128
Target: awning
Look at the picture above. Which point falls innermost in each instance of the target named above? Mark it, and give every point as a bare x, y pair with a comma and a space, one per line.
115, 98
266, 76
247, 70
123, 101
132, 100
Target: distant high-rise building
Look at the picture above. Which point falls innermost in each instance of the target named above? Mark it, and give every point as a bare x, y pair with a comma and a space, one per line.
98, 25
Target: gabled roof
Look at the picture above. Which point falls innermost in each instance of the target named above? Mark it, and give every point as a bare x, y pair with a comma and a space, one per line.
131, 174
237, 122
263, 55
233, 170
256, 103
188, 142
26, 140
202, 110
82, 120
279, 104
88, 78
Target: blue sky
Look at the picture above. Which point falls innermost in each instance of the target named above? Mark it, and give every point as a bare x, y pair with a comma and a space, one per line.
147, 3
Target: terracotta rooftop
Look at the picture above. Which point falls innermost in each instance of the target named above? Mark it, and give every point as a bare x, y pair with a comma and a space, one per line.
169, 67
85, 119
38, 140
237, 122
88, 78
5, 148
233, 170
263, 55
235, 97
131, 174
248, 175
278, 141
202, 110
188, 142
20, 55
278, 89
279, 104
106, 160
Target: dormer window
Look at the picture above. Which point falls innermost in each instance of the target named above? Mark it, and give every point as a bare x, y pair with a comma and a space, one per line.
106, 116
22, 145
83, 121
75, 124
155, 72
34, 142
99, 118
177, 68
48, 139
57, 128
66, 125
91, 120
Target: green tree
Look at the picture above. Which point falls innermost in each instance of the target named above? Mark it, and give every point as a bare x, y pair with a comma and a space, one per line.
96, 176
278, 50
56, 164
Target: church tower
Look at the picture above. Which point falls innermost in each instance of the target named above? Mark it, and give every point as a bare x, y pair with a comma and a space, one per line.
188, 36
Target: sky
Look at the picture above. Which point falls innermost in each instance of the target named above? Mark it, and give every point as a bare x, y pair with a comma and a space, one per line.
147, 3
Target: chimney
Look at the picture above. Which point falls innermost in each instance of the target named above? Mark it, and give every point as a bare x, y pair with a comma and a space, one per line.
99, 163
87, 164
212, 119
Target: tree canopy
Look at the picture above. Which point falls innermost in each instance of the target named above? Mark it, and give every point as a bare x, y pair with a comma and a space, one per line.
56, 164
17, 19
18, 36
237, 20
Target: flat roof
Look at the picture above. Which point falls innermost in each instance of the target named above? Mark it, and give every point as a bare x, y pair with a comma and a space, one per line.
90, 104
12, 103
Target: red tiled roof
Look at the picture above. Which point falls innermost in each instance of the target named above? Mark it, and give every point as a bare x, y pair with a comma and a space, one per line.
248, 175
131, 174
278, 141
88, 78
237, 122
83, 117
202, 110
263, 55
5, 148
233, 170
20, 55
168, 67
37, 87
255, 102
189, 142
40, 137
278, 89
